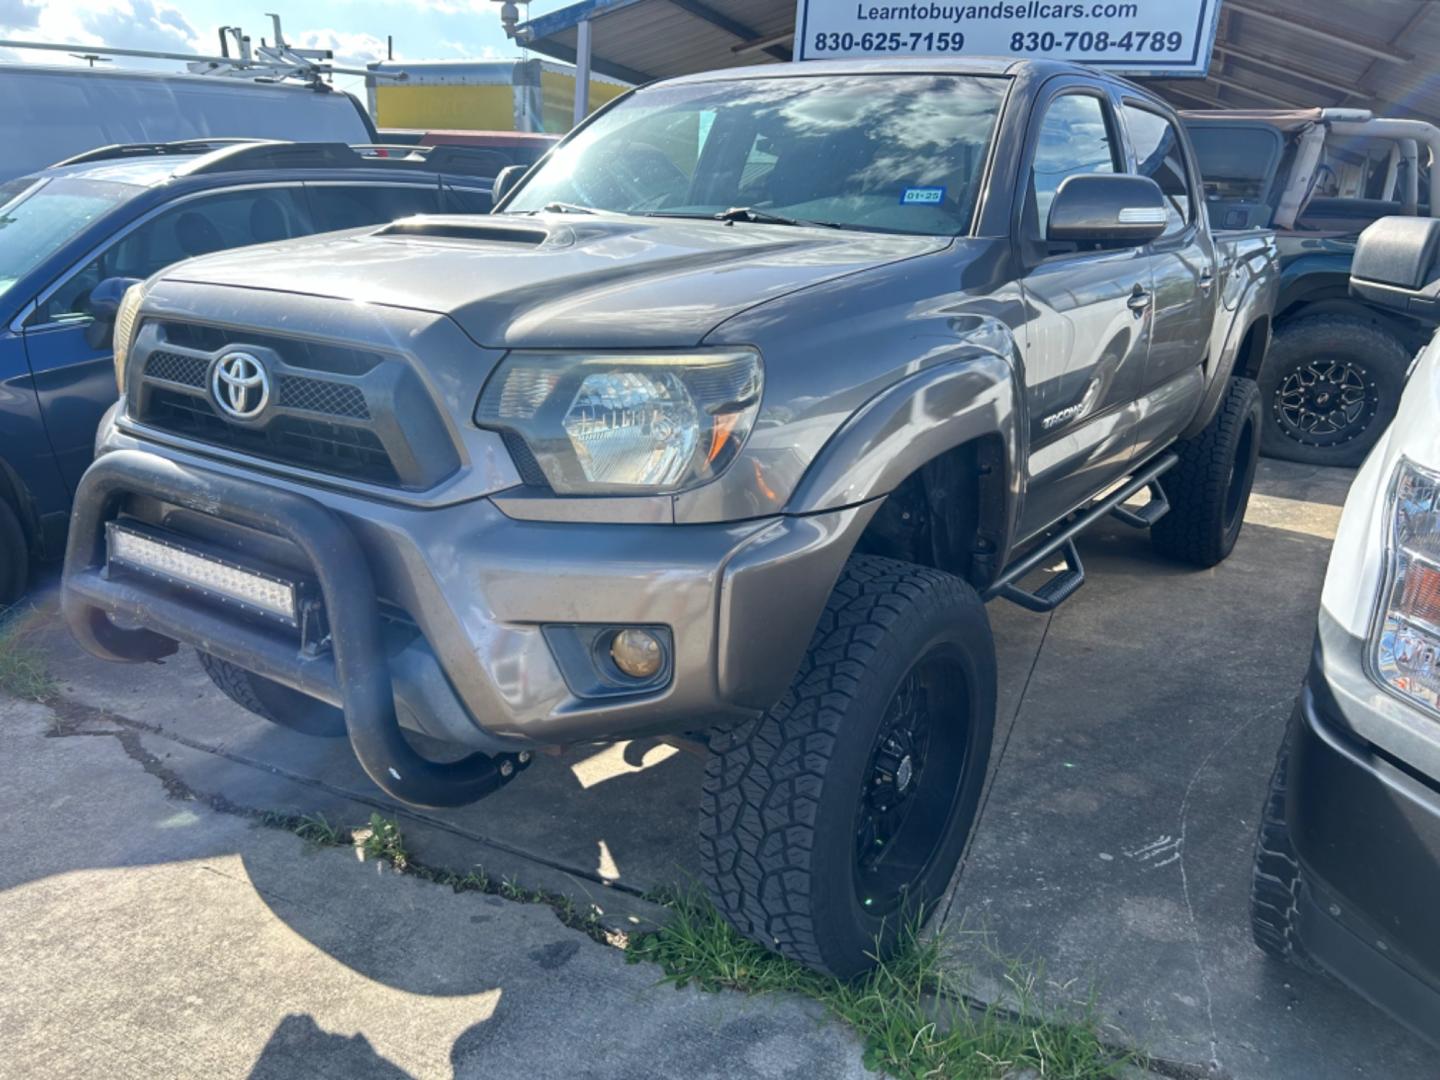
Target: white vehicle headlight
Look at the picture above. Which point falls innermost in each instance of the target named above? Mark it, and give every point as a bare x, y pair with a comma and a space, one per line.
603, 423
1405, 643
125, 330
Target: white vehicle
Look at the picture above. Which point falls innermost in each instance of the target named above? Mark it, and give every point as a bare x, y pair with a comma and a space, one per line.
54, 113
1347, 867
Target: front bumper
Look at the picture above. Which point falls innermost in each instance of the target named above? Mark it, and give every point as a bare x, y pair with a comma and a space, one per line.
1366, 830
466, 597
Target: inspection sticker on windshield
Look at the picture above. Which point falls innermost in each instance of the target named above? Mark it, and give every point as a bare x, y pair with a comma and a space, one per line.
922, 196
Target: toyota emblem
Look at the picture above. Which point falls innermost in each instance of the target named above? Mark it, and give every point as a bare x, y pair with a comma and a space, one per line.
240, 386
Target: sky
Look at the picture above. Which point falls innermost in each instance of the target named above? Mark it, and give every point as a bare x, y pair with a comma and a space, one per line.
355, 29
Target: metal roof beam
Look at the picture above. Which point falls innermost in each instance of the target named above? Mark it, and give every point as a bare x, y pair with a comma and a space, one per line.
557, 51
731, 26
1345, 38
1290, 70
1172, 90
1263, 95
763, 43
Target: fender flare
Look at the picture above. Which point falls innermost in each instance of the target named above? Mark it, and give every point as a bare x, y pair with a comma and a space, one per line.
971, 396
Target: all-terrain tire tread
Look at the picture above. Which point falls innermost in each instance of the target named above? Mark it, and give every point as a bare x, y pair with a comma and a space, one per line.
1197, 487
1386, 355
763, 778
14, 555
1276, 880
236, 684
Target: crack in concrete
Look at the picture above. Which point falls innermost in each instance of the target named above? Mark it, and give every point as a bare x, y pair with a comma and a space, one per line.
71, 719
1216, 1068
77, 713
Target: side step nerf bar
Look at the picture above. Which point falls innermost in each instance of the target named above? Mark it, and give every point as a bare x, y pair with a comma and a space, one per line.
356, 674
1064, 585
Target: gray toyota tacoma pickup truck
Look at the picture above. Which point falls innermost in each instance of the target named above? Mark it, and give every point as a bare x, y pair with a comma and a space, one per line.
724, 427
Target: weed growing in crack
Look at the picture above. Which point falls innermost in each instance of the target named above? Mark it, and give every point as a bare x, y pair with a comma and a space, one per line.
383, 842
314, 829
23, 673
912, 1013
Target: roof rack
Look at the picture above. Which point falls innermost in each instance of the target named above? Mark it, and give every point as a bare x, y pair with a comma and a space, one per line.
124, 150
256, 154
273, 63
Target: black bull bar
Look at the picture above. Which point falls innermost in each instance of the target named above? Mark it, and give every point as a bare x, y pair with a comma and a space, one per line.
355, 674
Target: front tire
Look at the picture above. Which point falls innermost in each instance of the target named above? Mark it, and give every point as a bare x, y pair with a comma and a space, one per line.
839, 816
1276, 880
1330, 385
1209, 489
14, 556
271, 701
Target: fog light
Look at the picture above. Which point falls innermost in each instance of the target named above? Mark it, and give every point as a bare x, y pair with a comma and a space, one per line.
637, 653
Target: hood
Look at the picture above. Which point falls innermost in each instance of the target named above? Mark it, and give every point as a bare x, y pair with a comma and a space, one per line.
561, 281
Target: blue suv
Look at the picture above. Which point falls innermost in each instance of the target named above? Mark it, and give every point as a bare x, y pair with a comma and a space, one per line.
75, 236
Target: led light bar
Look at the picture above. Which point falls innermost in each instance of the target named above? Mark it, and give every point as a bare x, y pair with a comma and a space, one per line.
180, 566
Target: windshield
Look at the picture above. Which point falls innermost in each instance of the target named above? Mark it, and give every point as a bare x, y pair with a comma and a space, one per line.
37, 217
878, 153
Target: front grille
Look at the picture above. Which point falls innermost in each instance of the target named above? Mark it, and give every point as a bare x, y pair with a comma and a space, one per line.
172, 367
313, 444
312, 355
332, 408
322, 396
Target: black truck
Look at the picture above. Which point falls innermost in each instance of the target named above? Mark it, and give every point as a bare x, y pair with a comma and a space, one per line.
1333, 379
723, 427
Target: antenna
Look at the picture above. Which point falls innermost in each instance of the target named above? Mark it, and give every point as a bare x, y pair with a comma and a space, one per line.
268, 63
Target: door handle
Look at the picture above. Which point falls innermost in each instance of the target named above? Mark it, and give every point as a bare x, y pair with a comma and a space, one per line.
1139, 301
1207, 279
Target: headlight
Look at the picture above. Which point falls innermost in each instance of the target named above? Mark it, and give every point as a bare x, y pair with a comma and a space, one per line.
598, 423
125, 330
1406, 638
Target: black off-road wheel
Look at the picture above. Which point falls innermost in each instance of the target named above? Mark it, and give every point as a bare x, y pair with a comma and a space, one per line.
14, 556
271, 701
837, 818
1276, 880
1210, 488
1330, 385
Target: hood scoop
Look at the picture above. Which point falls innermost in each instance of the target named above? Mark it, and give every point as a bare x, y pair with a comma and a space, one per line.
477, 229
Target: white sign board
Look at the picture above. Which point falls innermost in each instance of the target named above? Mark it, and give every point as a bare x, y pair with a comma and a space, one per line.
1171, 38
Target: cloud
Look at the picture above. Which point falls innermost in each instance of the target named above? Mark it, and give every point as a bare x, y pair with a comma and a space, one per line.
19, 14
465, 52
350, 49
127, 24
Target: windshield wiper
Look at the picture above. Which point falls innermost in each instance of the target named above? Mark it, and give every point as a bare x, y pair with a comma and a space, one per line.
764, 217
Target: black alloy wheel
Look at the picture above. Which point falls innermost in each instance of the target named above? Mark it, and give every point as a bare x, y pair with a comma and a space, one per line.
911, 788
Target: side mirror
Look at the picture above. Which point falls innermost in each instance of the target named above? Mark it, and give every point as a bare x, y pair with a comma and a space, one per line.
103, 305
1397, 266
1107, 208
105, 298
505, 181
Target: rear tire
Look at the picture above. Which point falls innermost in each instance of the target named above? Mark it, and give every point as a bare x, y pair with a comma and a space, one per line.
1210, 487
1330, 385
1276, 880
271, 701
837, 818
14, 556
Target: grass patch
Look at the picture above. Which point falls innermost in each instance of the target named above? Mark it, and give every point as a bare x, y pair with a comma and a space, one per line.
913, 1016
23, 673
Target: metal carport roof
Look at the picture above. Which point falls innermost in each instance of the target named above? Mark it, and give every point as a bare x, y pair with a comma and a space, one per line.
1383, 55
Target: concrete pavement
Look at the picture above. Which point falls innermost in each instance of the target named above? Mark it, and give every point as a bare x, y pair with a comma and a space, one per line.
147, 935
1138, 727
